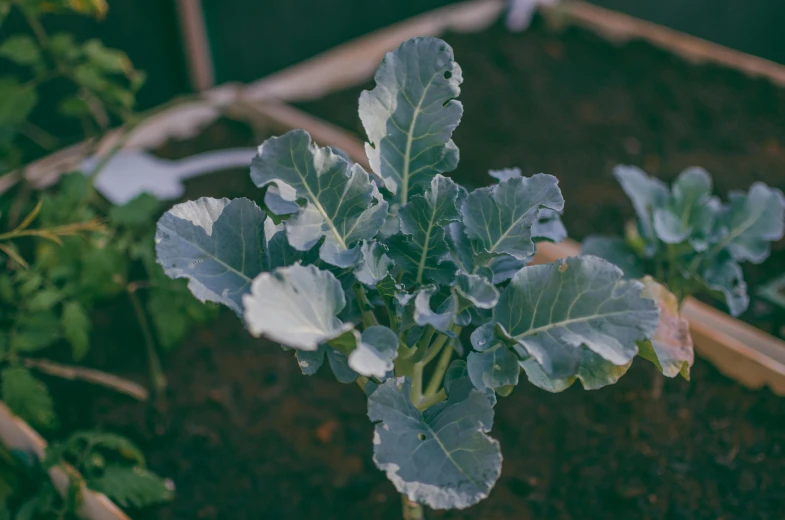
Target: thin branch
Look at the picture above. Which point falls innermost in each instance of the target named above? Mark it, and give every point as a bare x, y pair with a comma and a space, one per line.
116, 383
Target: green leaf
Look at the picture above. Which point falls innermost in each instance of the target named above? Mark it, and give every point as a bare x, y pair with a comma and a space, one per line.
376, 350
647, 194
103, 273
132, 486
446, 308
592, 371
310, 361
339, 197
217, 244
16, 103
551, 310
441, 457
77, 442
477, 290
670, 348
34, 331
28, 397
411, 114
689, 212
500, 217
21, 49
751, 221
423, 252
107, 60
493, 369
374, 264
616, 251
44, 299
724, 276
339, 364
548, 225
297, 306
138, 212
76, 328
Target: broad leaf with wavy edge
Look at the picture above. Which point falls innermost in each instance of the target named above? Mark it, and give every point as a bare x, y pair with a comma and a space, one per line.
296, 306
217, 244
441, 457
551, 310
495, 368
593, 372
751, 222
411, 114
500, 217
342, 204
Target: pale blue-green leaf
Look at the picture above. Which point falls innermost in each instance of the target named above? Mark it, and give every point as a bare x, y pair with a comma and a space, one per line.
616, 251
339, 364
279, 253
375, 352
478, 290
340, 201
410, 115
689, 212
647, 194
424, 250
483, 337
593, 372
446, 308
500, 217
505, 173
310, 361
217, 244
494, 368
724, 275
549, 226
277, 204
441, 457
296, 306
551, 310
374, 264
456, 371
751, 222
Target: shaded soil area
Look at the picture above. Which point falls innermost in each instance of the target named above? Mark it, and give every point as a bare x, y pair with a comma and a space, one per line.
244, 435
573, 105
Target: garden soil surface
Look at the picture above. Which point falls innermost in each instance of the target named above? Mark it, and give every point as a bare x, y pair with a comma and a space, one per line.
244, 435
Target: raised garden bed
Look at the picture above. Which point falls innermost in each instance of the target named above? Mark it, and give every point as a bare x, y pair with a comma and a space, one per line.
242, 433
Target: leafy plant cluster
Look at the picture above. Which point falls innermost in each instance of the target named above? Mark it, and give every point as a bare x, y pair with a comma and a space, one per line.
106, 463
104, 80
72, 252
421, 292
691, 241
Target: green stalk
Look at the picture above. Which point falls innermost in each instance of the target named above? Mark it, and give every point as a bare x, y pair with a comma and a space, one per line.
369, 318
154, 363
438, 373
412, 510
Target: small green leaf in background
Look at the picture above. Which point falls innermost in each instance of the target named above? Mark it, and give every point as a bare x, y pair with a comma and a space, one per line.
76, 328
28, 397
132, 486
34, 331
44, 299
137, 212
21, 49
16, 103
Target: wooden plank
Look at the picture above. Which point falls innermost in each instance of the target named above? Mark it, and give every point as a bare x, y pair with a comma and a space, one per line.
18, 435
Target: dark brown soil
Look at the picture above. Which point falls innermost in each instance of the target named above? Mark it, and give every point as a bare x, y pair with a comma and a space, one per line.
244, 435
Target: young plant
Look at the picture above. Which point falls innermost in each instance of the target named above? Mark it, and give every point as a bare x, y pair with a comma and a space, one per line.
408, 284
688, 239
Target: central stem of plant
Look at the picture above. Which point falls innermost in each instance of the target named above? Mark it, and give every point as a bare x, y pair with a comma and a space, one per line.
412, 510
